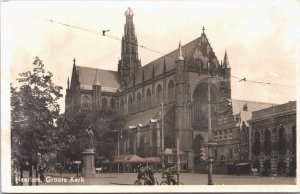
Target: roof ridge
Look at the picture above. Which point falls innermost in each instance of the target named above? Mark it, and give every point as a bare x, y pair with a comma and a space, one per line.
96, 68
168, 53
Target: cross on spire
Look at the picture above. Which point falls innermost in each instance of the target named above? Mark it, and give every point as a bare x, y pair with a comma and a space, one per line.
74, 60
203, 29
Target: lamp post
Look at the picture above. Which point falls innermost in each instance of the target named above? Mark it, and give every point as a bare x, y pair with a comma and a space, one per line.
210, 144
178, 157
118, 147
38, 162
118, 152
77, 162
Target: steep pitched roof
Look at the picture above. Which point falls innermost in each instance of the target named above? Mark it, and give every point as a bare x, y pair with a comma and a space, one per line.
109, 80
169, 59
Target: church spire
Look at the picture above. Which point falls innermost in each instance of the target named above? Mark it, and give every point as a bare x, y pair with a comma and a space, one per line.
96, 81
129, 62
68, 83
226, 61
179, 56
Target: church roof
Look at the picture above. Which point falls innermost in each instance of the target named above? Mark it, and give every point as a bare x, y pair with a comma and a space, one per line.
108, 80
169, 59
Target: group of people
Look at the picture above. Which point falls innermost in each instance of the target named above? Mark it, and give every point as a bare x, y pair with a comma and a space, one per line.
148, 174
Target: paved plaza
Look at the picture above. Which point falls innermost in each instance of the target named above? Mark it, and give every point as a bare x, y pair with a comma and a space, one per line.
186, 178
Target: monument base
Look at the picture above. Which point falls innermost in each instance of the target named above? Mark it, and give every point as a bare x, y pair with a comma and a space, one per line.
88, 169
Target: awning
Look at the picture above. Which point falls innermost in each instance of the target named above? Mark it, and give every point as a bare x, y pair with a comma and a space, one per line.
171, 151
242, 164
153, 160
129, 159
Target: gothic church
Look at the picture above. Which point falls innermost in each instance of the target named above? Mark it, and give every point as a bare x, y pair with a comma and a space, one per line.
163, 99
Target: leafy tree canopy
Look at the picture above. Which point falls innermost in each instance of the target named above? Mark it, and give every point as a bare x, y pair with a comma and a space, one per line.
105, 125
34, 113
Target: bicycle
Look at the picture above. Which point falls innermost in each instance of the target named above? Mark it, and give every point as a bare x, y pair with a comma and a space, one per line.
146, 181
173, 181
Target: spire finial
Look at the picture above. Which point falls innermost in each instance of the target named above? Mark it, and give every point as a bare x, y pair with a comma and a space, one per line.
179, 53
203, 29
225, 60
128, 12
68, 83
165, 68
74, 60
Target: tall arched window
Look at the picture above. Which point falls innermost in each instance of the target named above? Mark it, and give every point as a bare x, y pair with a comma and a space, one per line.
130, 105
122, 107
281, 141
148, 98
267, 142
200, 101
257, 144
159, 95
139, 102
85, 102
170, 91
112, 104
104, 103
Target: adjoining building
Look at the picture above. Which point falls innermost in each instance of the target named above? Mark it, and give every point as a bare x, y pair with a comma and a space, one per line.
273, 139
163, 99
242, 110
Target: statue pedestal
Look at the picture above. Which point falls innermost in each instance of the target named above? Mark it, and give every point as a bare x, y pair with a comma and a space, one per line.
88, 169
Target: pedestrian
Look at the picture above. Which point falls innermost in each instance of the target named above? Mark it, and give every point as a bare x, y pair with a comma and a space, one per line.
60, 170
41, 173
238, 171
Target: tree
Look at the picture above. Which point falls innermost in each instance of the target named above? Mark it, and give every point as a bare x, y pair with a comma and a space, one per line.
103, 123
35, 110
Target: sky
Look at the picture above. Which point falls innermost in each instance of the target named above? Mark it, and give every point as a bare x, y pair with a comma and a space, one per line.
261, 38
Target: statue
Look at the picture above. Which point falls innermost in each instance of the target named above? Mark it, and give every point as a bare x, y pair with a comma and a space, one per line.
90, 135
88, 168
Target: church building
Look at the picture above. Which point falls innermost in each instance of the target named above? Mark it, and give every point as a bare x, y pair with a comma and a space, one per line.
162, 100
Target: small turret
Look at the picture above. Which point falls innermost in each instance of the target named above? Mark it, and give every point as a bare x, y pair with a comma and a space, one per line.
96, 81
96, 93
165, 68
179, 56
226, 61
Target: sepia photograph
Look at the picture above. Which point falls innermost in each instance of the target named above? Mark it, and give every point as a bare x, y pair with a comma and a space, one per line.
149, 96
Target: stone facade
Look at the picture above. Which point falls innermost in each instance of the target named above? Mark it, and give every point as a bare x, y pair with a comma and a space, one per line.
172, 89
273, 139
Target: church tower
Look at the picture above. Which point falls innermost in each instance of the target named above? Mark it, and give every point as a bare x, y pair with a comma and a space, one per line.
129, 62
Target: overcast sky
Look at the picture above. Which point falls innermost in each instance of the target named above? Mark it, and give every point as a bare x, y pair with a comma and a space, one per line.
261, 38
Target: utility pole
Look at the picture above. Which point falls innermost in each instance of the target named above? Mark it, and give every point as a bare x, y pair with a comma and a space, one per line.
162, 135
178, 157
210, 144
118, 152
118, 147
